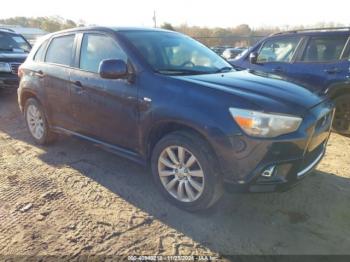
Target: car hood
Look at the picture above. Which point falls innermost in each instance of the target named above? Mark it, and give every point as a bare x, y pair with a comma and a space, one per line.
13, 57
259, 88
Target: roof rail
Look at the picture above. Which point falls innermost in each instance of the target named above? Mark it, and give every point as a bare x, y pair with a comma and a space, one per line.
314, 30
7, 29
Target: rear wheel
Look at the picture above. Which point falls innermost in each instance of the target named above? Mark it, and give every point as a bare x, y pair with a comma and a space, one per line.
37, 123
184, 170
341, 122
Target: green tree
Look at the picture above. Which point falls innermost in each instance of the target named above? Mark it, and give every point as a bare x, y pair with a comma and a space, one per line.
167, 26
49, 24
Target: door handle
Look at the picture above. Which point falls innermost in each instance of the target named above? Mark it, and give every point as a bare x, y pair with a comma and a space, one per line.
145, 103
78, 87
78, 84
39, 74
332, 70
277, 70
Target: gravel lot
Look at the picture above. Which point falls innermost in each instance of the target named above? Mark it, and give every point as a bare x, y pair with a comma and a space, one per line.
73, 198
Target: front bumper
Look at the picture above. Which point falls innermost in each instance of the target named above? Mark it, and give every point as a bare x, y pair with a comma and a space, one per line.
290, 157
8, 81
285, 176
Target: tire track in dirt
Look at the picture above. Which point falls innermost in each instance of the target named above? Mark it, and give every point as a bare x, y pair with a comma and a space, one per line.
95, 220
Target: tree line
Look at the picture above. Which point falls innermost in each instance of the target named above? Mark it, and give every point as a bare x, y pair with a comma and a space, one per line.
240, 35
48, 24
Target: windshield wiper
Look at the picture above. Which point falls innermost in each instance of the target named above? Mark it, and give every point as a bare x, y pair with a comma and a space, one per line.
224, 69
181, 71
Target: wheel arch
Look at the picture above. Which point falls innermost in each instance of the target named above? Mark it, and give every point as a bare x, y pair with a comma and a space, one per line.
162, 129
24, 96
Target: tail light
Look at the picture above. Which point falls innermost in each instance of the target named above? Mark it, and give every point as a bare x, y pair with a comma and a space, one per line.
20, 72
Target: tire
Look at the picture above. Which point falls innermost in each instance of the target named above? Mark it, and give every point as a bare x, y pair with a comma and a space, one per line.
341, 122
201, 180
37, 123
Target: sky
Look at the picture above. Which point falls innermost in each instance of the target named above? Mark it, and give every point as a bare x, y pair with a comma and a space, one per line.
223, 13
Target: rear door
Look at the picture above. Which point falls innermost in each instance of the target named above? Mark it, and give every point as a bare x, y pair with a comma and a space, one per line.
104, 109
323, 61
58, 61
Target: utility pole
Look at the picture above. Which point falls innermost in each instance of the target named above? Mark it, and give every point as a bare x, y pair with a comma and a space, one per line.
154, 19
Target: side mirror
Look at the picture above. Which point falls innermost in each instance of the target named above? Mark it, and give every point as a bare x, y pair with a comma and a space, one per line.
253, 57
113, 69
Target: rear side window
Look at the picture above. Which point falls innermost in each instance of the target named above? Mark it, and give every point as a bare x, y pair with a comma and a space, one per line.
40, 53
278, 50
95, 48
324, 49
60, 50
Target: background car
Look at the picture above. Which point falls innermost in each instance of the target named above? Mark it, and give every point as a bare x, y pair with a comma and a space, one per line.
14, 49
317, 58
231, 53
220, 49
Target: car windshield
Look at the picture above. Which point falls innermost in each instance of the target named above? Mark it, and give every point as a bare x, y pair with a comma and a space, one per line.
13, 43
175, 54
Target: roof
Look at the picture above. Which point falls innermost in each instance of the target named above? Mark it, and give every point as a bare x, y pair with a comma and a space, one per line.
23, 30
111, 29
316, 31
4, 29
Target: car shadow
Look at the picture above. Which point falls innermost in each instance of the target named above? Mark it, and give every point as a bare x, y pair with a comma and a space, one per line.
311, 218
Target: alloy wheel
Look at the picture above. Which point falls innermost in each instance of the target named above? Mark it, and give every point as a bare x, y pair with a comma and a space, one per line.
181, 174
35, 122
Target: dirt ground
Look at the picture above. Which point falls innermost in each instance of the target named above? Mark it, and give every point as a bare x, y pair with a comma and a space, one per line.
73, 198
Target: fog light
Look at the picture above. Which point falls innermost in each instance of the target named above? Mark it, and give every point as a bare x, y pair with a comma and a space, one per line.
268, 172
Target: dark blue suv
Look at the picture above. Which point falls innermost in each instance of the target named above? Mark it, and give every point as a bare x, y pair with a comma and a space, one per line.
161, 98
316, 58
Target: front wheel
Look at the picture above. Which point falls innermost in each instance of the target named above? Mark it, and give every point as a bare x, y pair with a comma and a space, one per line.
184, 170
341, 122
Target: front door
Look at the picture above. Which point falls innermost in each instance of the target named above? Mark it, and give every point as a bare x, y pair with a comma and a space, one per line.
103, 109
276, 54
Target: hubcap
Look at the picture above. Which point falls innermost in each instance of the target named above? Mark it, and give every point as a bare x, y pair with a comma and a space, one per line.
180, 173
35, 122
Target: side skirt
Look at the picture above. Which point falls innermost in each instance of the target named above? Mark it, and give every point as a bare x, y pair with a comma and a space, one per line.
106, 146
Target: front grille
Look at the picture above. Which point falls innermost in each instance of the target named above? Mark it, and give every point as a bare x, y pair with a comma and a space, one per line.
14, 68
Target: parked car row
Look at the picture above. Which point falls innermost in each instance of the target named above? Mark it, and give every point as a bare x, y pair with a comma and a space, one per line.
220, 49
232, 53
228, 52
162, 99
318, 59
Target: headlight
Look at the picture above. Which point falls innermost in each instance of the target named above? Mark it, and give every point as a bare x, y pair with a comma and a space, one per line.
5, 67
264, 124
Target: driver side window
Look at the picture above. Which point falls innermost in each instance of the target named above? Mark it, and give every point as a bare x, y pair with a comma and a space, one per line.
278, 50
95, 48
